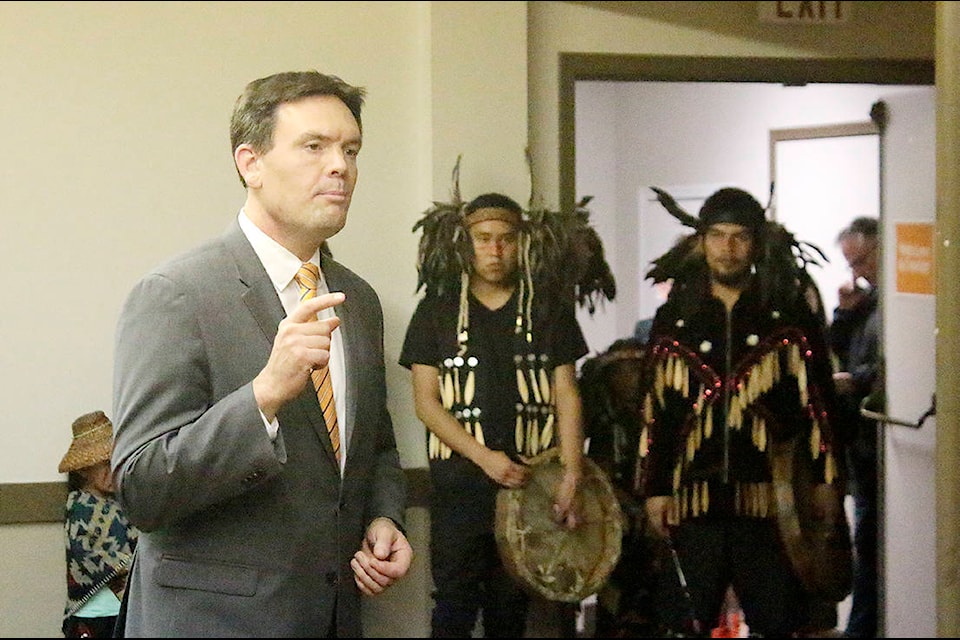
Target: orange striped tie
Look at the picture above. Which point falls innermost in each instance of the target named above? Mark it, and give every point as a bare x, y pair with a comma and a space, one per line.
307, 278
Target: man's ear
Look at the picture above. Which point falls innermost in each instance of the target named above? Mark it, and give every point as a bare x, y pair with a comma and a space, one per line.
248, 164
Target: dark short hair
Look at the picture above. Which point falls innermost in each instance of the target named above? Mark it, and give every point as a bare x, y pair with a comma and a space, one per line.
732, 205
866, 226
255, 110
492, 203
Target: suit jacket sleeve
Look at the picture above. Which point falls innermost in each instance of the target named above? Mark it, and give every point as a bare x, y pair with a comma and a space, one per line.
182, 441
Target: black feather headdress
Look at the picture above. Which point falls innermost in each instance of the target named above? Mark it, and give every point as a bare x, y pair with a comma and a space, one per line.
781, 262
686, 256
561, 253
444, 252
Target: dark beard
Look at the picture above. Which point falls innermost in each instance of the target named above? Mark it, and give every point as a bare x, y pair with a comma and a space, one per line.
738, 280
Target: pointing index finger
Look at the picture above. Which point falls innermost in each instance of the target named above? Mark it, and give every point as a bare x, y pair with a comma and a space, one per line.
307, 310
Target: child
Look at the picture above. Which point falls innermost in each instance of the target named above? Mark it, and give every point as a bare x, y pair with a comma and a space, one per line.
99, 540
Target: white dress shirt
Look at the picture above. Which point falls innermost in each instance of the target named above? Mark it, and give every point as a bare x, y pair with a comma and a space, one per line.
282, 266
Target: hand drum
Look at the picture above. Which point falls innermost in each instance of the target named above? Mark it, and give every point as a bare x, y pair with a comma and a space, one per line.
560, 564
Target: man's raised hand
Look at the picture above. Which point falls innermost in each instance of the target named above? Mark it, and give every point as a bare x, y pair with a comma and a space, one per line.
302, 344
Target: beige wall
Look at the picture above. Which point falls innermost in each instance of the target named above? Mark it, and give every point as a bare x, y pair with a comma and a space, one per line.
117, 156
947, 242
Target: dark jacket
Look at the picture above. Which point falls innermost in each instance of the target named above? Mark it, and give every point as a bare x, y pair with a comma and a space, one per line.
721, 388
855, 340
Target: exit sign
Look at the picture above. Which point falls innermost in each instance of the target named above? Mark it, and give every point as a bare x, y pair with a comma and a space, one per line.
805, 12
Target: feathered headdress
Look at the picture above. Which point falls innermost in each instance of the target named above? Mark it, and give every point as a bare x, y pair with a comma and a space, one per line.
560, 258
561, 254
781, 262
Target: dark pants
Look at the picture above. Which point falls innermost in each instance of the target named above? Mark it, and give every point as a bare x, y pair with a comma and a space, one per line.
74, 627
469, 578
743, 552
863, 608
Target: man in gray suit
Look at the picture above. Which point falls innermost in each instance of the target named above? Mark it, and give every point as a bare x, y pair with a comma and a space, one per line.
254, 523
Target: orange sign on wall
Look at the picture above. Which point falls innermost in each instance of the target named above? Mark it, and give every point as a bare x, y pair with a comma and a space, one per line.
915, 257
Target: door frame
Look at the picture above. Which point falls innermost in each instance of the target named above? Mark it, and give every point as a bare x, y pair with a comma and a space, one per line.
843, 130
576, 67
837, 132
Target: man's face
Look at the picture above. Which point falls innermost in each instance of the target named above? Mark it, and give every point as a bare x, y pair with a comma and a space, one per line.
860, 252
728, 249
302, 186
495, 248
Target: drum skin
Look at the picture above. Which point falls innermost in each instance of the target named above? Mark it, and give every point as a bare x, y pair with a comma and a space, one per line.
560, 564
812, 523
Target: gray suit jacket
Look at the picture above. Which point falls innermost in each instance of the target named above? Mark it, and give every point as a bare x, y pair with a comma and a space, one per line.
242, 536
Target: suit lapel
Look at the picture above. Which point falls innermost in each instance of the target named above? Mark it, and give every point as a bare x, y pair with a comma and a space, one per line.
258, 293
260, 298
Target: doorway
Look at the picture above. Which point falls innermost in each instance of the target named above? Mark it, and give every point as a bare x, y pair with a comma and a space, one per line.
711, 78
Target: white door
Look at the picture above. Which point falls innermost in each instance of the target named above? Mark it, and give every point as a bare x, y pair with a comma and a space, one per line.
907, 184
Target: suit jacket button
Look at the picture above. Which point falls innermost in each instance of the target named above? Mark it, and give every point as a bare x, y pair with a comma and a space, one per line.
331, 578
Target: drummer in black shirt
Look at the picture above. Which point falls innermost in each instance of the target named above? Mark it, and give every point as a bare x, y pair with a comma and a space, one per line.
494, 380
